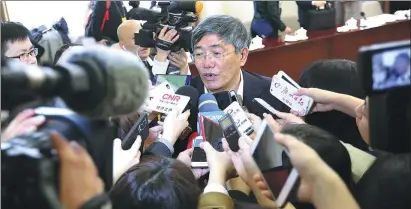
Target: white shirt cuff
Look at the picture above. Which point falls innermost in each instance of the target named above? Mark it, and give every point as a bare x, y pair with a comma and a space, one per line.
160, 67
213, 187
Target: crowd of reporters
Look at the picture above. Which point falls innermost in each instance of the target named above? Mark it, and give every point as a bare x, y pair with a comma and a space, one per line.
330, 147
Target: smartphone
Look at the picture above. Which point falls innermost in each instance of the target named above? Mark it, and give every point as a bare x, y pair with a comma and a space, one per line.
213, 133
272, 160
230, 131
199, 157
139, 128
264, 105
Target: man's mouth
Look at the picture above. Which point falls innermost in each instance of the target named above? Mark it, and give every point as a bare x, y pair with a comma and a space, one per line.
210, 76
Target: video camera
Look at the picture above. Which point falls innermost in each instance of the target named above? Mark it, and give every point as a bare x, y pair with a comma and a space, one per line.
385, 70
90, 81
176, 14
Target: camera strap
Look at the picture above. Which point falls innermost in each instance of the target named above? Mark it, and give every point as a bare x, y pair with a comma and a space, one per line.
164, 45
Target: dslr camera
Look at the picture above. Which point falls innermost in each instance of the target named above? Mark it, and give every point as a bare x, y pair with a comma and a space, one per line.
385, 70
30, 165
178, 15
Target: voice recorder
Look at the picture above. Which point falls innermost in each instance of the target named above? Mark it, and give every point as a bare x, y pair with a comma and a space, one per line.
230, 131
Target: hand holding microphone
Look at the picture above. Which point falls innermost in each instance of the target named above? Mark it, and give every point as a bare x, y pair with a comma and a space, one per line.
174, 124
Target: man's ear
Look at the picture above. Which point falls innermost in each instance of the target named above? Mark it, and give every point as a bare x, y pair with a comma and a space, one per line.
243, 56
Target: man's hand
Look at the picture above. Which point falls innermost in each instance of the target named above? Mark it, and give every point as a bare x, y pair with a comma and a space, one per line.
219, 164
23, 123
179, 59
324, 99
168, 36
319, 3
125, 159
185, 157
174, 124
79, 180
103, 42
288, 30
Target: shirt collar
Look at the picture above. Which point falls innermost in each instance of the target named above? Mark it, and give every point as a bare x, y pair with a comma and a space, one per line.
240, 90
149, 61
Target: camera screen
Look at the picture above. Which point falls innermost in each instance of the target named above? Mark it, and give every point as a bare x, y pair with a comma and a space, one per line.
391, 69
176, 81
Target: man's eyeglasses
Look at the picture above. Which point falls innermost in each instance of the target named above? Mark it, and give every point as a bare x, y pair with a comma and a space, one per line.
215, 55
23, 57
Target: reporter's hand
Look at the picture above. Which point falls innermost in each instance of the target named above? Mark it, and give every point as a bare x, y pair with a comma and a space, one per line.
185, 157
324, 100
242, 160
124, 159
79, 180
25, 122
255, 120
317, 179
153, 134
170, 36
179, 59
275, 125
219, 163
103, 42
289, 117
262, 186
174, 124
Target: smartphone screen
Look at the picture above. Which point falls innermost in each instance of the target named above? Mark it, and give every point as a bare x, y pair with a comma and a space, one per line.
139, 128
272, 160
175, 81
199, 157
213, 133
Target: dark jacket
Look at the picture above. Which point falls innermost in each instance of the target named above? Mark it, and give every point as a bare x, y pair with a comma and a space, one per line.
303, 8
117, 11
271, 11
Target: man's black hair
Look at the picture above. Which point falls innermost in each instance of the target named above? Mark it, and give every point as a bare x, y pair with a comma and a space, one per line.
12, 32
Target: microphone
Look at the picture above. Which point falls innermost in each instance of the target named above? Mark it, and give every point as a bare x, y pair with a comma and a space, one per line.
191, 6
207, 103
208, 120
94, 81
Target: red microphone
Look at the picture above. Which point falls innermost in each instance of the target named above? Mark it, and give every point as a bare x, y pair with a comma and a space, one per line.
191, 140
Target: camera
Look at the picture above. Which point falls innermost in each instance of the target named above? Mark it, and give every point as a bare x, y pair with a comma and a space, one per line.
385, 71
30, 165
177, 15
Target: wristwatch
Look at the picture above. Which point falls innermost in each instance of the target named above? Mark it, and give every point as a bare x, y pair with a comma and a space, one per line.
101, 201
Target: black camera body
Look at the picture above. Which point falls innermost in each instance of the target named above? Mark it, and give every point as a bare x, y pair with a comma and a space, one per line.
385, 71
30, 165
156, 20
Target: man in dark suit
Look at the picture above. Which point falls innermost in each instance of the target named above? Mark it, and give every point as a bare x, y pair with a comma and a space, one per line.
220, 46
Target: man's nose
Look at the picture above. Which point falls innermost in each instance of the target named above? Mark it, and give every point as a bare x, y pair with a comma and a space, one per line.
208, 63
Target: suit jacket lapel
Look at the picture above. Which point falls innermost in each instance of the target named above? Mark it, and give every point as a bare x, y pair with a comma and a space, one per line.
251, 90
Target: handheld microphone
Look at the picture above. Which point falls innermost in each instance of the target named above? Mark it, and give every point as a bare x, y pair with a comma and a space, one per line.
208, 120
95, 81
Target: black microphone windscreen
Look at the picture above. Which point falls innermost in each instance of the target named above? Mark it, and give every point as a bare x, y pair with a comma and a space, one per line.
190, 92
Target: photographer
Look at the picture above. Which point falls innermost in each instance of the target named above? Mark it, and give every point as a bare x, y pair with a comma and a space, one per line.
159, 64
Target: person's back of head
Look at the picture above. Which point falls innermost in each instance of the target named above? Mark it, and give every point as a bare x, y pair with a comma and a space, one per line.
386, 184
157, 183
339, 76
328, 147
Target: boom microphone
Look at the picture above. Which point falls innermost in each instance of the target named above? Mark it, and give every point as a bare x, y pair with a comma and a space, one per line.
95, 81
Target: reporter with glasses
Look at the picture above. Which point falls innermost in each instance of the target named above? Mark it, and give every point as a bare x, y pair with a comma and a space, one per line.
16, 45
